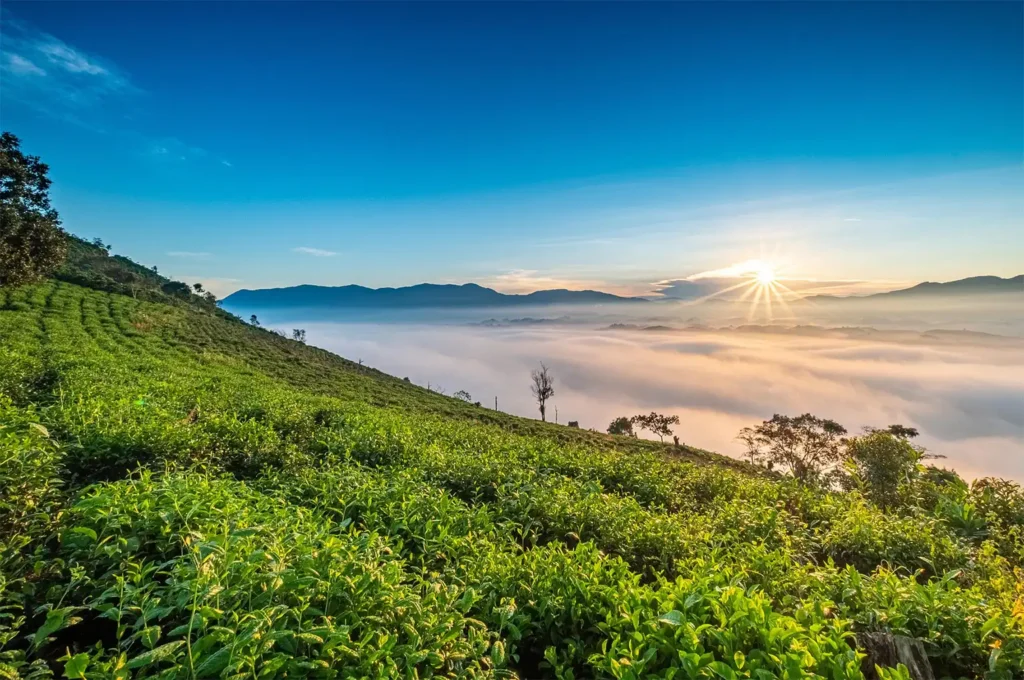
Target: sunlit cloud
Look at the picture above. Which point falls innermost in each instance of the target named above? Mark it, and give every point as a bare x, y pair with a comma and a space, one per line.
963, 395
315, 252
522, 281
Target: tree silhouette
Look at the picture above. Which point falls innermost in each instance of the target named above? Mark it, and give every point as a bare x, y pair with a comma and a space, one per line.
543, 388
657, 423
804, 445
622, 425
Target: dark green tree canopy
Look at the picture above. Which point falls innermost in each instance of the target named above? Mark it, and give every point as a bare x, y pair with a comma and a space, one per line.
622, 425
805, 445
32, 244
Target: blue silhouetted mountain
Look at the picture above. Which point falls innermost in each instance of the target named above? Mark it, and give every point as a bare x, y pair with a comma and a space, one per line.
975, 285
983, 285
424, 295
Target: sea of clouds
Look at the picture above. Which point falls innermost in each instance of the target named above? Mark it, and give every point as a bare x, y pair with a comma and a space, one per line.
964, 392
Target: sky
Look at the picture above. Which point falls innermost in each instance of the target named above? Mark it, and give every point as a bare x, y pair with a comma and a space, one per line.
524, 146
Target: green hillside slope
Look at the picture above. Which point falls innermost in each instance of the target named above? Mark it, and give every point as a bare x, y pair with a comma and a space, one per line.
183, 495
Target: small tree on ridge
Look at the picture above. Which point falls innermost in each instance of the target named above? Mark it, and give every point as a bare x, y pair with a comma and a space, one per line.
543, 388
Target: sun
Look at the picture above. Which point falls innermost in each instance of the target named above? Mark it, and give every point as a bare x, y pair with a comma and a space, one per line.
765, 275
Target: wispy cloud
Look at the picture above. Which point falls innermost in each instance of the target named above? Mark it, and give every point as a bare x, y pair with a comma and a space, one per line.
315, 252
189, 254
52, 78
20, 66
173, 149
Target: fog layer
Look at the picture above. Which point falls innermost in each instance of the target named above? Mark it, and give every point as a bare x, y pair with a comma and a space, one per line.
965, 394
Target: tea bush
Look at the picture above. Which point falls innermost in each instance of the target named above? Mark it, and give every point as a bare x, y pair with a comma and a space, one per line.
182, 495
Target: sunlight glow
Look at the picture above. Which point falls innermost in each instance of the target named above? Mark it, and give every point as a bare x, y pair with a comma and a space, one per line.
766, 276
763, 288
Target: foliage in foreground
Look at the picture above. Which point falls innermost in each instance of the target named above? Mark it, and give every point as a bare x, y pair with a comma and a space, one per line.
283, 525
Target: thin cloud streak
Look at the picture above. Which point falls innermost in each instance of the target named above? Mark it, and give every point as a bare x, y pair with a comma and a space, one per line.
185, 253
315, 252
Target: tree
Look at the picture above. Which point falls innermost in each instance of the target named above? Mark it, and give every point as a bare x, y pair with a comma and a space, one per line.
177, 289
657, 423
127, 278
299, 335
32, 244
806, 446
198, 288
543, 388
880, 462
254, 321
464, 396
622, 425
905, 433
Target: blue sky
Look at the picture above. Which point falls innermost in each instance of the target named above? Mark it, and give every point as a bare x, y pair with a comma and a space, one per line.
529, 145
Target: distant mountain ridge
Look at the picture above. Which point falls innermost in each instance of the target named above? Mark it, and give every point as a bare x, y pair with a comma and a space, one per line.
974, 285
424, 295
469, 295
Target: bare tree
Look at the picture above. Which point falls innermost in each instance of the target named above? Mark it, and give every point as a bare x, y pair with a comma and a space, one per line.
543, 388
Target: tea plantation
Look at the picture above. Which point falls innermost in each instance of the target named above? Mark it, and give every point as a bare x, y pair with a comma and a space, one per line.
186, 496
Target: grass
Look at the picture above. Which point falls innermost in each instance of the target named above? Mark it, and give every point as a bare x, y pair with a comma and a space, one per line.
184, 495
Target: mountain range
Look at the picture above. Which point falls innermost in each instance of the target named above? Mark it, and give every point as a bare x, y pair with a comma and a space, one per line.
468, 295
974, 285
424, 295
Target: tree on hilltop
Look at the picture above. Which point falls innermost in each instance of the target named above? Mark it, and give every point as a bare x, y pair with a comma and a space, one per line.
806, 446
543, 388
881, 461
623, 426
656, 423
32, 243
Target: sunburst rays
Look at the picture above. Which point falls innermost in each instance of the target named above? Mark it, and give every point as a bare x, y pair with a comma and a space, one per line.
763, 291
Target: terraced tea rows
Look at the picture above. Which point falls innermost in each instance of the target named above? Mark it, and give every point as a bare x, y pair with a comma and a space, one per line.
300, 515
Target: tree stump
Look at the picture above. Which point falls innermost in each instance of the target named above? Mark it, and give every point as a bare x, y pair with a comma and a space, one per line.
886, 649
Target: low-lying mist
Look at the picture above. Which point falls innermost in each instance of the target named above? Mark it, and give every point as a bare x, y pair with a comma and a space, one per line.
964, 391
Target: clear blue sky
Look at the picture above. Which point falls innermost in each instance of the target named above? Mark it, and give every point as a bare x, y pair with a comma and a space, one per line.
527, 145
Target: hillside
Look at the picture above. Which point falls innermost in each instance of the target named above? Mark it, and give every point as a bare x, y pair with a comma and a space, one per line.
184, 495
92, 265
423, 296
